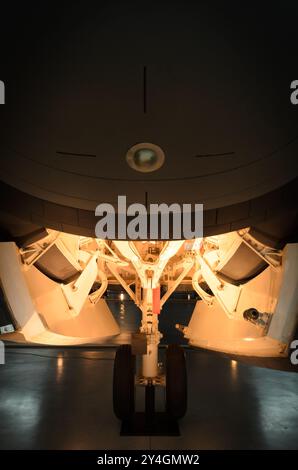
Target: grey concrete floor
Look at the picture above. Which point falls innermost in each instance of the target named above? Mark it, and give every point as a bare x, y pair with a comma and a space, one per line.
62, 399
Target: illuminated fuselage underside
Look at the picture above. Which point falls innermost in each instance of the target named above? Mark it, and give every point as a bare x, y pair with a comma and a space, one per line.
247, 298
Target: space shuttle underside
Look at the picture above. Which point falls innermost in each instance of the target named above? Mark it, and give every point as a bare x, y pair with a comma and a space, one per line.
53, 285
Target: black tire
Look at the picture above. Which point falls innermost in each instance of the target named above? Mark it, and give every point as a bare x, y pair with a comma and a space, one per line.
176, 381
123, 382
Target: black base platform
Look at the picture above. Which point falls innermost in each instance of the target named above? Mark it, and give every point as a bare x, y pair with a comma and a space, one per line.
140, 424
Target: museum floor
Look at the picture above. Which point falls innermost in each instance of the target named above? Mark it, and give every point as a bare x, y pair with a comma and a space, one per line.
62, 399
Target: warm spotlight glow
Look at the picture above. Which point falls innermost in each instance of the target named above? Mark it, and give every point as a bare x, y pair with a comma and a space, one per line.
122, 311
121, 296
60, 362
60, 366
234, 369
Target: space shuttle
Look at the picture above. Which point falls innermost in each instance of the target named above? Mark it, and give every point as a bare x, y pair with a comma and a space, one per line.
195, 109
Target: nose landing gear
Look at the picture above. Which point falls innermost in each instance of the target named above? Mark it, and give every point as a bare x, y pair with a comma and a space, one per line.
147, 297
174, 380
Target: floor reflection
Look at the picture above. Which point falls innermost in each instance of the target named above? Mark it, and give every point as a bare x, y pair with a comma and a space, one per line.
62, 399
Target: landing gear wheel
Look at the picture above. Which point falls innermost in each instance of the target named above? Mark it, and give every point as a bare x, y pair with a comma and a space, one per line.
123, 382
176, 381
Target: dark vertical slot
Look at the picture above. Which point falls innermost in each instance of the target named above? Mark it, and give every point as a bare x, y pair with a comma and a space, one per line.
145, 89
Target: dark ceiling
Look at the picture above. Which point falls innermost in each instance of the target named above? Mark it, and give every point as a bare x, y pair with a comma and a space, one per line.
209, 82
